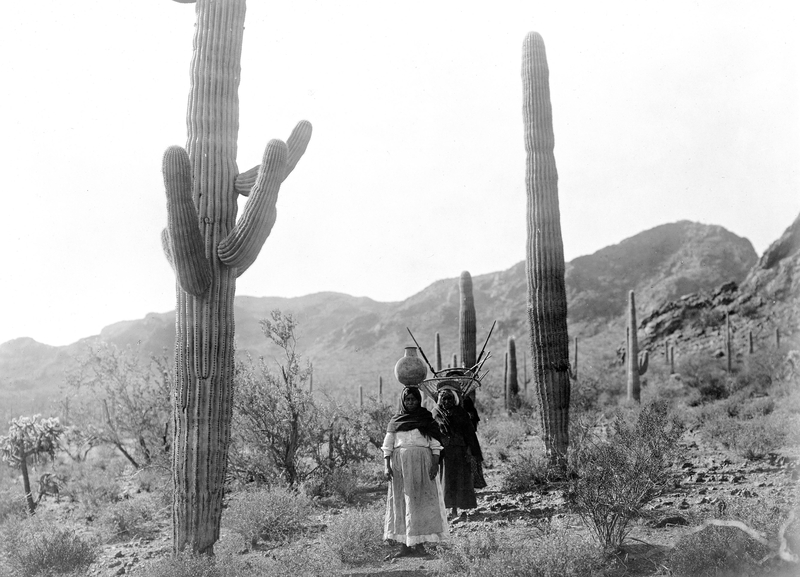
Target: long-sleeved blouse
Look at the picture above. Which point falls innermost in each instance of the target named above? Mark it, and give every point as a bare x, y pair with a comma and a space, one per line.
412, 438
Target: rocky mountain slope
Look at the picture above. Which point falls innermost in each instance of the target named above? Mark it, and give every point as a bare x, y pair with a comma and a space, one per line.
352, 341
764, 308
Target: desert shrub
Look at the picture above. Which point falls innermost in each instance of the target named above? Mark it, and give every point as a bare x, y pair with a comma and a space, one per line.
120, 398
344, 483
132, 518
12, 506
274, 419
593, 391
93, 487
189, 565
613, 479
706, 376
502, 435
751, 438
281, 433
271, 514
38, 546
526, 472
555, 552
717, 551
355, 536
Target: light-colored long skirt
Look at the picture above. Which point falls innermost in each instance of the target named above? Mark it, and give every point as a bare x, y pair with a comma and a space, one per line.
415, 510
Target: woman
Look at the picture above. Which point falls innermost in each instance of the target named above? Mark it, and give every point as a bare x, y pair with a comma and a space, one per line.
460, 447
415, 512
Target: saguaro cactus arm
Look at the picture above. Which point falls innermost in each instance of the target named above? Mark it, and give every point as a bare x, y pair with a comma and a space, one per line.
297, 144
182, 239
241, 247
644, 360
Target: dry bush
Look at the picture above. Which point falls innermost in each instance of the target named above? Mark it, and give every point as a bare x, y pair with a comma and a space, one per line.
188, 565
12, 506
555, 552
271, 514
93, 487
705, 375
526, 472
717, 551
500, 436
38, 546
749, 429
355, 536
133, 518
613, 479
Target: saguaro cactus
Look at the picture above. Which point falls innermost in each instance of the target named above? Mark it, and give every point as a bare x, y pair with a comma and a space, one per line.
637, 364
466, 321
547, 296
438, 353
728, 344
208, 249
512, 386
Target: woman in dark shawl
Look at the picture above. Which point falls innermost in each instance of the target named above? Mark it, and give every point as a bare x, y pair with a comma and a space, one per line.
415, 511
460, 447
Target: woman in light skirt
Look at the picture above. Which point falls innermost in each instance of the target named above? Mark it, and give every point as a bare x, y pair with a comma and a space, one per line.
415, 512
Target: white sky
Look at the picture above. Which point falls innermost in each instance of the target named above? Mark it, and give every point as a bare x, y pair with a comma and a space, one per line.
663, 111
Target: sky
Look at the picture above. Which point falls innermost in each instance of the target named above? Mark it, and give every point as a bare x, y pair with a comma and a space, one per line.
663, 111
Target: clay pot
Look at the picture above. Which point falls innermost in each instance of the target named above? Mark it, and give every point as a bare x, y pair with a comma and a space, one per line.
410, 370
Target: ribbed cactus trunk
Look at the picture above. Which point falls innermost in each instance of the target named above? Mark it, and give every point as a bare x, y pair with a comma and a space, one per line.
547, 297
512, 385
208, 249
728, 344
636, 366
438, 353
466, 322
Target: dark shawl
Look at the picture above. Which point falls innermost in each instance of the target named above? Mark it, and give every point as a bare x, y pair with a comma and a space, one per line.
458, 421
420, 419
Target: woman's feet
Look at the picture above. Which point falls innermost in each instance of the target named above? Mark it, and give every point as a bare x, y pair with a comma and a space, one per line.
406, 551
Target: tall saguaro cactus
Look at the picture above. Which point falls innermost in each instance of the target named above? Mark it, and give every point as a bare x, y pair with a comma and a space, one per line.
547, 296
466, 321
636, 364
208, 249
438, 352
512, 384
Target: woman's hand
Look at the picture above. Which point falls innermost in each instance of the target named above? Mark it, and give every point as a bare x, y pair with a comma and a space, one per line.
434, 469
387, 471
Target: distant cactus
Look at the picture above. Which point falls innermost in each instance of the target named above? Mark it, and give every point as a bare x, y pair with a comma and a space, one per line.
512, 386
637, 364
466, 322
574, 369
208, 249
672, 360
505, 381
29, 438
438, 353
728, 344
547, 296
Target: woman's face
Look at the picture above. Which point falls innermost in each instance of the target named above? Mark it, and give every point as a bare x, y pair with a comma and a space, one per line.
447, 401
410, 402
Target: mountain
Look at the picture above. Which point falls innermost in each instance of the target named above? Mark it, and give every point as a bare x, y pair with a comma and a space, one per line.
352, 341
762, 308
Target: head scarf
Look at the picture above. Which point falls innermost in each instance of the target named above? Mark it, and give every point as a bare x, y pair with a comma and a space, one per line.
457, 421
421, 418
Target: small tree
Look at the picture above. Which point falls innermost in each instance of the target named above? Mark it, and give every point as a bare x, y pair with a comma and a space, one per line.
615, 478
274, 417
30, 438
115, 396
